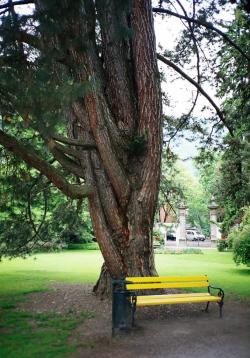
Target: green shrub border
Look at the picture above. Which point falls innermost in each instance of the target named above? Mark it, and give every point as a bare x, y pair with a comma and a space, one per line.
86, 246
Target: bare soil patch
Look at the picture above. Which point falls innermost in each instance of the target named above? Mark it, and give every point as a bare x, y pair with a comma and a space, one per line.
173, 331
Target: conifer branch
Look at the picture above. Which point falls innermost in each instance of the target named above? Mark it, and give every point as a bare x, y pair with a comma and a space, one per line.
67, 163
59, 153
75, 142
64, 149
53, 174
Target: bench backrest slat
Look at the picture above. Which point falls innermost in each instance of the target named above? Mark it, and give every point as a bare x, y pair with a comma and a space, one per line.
149, 283
150, 286
167, 279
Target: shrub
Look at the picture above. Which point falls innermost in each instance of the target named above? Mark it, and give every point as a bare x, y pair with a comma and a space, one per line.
230, 242
240, 239
222, 245
192, 251
86, 246
179, 251
158, 236
241, 247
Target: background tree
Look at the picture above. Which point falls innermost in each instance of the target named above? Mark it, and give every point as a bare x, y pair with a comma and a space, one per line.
222, 59
196, 200
178, 184
171, 192
226, 173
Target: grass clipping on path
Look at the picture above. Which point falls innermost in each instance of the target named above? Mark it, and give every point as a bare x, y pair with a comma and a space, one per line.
28, 334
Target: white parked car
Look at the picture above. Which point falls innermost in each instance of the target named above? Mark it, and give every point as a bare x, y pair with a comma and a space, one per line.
194, 235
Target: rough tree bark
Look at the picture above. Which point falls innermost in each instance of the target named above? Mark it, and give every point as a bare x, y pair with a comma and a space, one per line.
122, 115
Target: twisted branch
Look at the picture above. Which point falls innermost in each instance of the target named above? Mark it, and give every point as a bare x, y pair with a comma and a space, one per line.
201, 90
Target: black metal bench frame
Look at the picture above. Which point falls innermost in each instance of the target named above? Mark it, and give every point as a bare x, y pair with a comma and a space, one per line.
124, 303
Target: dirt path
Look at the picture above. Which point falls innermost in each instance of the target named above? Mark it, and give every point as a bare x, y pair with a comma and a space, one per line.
171, 331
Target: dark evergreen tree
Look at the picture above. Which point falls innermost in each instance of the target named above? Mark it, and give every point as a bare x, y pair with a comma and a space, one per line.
81, 104
83, 75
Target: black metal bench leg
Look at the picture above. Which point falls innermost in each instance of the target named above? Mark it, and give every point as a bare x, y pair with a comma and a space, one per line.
134, 299
206, 309
133, 314
220, 305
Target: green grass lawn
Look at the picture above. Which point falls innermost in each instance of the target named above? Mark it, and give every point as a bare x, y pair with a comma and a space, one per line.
219, 266
37, 272
26, 334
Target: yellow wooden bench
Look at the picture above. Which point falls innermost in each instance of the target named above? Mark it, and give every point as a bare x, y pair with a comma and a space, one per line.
133, 292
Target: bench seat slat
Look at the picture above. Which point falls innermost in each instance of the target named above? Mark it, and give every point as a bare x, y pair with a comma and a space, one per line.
197, 294
167, 279
148, 286
165, 299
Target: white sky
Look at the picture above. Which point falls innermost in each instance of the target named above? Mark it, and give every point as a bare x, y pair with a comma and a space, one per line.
180, 91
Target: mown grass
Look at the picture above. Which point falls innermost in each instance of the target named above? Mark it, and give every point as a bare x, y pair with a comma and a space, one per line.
219, 266
37, 272
27, 335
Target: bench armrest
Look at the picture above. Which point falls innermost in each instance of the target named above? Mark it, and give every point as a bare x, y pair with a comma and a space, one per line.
120, 285
220, 291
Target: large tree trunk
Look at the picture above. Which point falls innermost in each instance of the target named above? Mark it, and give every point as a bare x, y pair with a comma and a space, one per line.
121, 113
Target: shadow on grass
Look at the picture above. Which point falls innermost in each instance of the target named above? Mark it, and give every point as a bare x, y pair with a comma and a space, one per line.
240, 271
